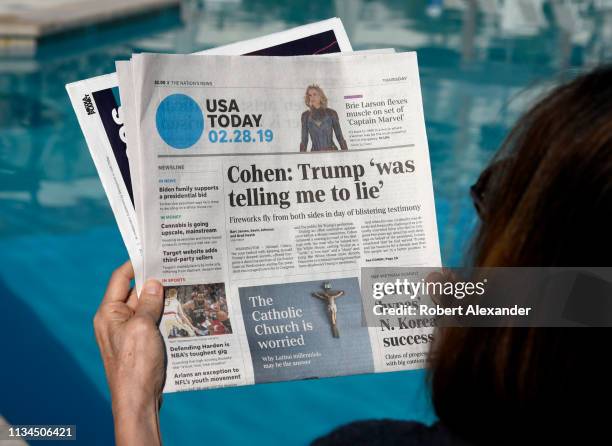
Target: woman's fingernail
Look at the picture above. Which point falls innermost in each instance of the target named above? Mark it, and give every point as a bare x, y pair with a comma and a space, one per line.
152, 287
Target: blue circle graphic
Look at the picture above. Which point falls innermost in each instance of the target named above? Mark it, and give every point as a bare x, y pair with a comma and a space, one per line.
179, 121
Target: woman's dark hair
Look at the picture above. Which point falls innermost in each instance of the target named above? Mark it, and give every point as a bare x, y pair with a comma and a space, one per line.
545, 200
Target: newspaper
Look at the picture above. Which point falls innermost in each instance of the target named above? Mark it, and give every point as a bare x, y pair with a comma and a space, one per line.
96, 102
265, 185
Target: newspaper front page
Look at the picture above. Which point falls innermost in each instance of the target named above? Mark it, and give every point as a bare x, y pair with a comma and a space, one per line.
267, 183
98, 106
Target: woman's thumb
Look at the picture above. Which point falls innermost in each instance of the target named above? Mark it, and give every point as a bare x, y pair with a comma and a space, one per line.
151, 302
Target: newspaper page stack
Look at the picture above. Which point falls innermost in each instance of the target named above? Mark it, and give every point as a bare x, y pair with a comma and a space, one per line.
256, 189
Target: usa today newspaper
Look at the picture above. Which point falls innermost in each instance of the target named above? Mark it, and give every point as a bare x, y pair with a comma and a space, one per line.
265, 185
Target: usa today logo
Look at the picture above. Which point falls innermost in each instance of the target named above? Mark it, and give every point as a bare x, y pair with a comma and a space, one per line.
179, 121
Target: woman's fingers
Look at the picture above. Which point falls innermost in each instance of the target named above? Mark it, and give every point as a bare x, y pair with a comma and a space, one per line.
113, 309
117, 312
119, 285
132, 301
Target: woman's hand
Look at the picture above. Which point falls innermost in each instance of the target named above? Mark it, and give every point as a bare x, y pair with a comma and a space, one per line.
133, 353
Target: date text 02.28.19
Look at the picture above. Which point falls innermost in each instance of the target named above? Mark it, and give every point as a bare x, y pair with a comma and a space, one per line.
240, 136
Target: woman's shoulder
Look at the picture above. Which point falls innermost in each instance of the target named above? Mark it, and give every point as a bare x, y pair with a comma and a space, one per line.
388, 433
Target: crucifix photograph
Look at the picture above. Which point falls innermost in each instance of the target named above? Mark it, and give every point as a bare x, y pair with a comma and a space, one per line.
329, 296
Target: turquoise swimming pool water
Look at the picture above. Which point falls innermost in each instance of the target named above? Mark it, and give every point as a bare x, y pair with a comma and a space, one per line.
482, 63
